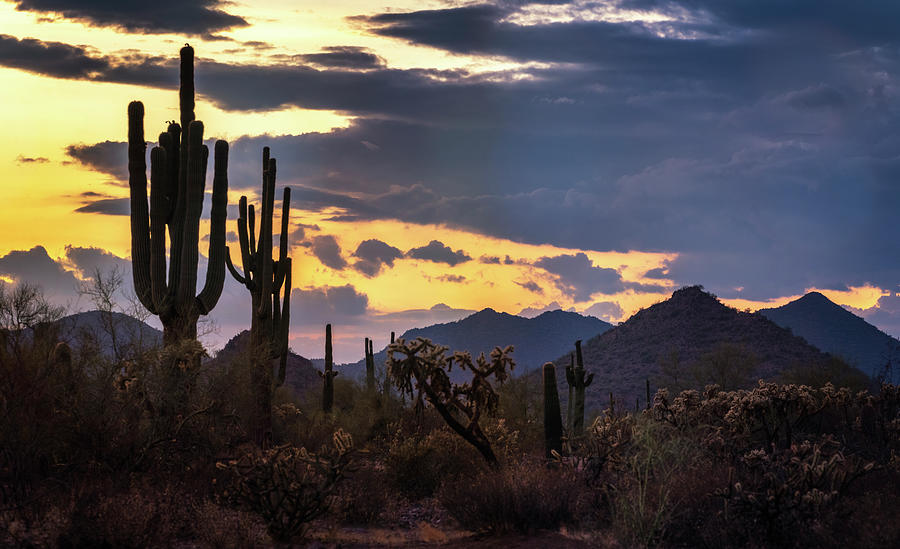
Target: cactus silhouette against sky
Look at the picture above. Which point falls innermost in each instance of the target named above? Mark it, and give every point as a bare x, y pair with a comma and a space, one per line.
269, 283
328, 374
177, 181
552, 419
578, 379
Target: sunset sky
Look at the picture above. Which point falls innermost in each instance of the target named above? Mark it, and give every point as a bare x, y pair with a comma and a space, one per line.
450, 156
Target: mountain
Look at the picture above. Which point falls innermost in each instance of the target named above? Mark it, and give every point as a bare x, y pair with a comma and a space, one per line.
110, 332
836, 330
536, 340
691, 325
300, 374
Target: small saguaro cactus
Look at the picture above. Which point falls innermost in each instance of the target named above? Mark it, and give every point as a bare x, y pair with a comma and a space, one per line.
328, 375
570, 404
578, 381
370, 367
552, 419
269, 283
177, 181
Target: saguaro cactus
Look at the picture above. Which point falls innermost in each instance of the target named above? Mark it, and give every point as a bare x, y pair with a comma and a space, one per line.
552, 419
370, 367
269, 283
177, 181
577, 383
328, 375
570, 404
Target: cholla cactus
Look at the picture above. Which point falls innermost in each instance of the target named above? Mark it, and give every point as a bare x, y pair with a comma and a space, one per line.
423, 371
288, 486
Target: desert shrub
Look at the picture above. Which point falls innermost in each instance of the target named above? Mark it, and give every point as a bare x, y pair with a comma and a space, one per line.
287, 486
142, 515
633, 461
418, 464
522, 498
365, 495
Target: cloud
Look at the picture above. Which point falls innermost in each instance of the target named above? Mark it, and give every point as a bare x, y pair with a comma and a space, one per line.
531, 312
329, 304
452, 279
344, 57
21, 159
885, 314
106, 206
60, 60
374, 255
109, 157
35, 266
89, 260
438, 252
190, 17
578, 278
327, 249
531, 286
604, 310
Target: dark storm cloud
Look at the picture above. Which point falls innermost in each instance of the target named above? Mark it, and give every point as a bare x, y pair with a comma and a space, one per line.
60, 60
577, 277
109, 157
191, 17
106, 206
344, 57
327, 249
374, 255
438, 252
48, 58
760, 148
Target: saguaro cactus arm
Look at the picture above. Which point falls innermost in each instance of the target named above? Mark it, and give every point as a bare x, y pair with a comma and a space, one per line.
215, 272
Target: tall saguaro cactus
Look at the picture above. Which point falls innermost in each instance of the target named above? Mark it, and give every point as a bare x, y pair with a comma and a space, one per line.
552, 419
177, 181
269, 283
329, 374
578, 380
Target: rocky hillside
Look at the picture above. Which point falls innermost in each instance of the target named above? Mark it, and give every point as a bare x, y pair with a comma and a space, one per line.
300, 374
688, 326
836, 330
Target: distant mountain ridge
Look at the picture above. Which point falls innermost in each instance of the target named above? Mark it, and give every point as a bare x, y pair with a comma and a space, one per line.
536, 340
111, 332
836, 330
690, 323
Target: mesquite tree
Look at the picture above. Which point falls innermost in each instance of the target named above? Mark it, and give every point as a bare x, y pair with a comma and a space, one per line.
423, 372
177, 181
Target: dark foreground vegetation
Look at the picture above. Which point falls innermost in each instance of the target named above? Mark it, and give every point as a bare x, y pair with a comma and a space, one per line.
94, 452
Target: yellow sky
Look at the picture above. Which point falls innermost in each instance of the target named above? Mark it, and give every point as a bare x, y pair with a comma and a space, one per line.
38, 198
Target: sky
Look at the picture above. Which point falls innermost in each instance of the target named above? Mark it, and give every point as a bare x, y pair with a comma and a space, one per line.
447, 156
